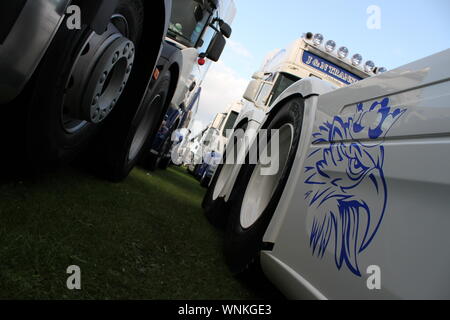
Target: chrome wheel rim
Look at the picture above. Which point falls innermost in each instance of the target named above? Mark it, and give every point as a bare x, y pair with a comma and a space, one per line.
98, 76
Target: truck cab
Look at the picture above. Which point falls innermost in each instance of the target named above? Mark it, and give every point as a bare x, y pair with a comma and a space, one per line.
360, 207
196, 38
309, 57
306, 57
211, 155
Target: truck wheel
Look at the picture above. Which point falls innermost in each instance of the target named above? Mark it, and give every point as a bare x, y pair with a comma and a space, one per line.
215, 206
78, 83
204, 182
126, 141
153, 161
165, 163
255, 197
162, 161
216, 209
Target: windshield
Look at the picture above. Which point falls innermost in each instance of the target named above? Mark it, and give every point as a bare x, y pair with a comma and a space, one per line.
230, 123
209, 137
189, 19
284, 81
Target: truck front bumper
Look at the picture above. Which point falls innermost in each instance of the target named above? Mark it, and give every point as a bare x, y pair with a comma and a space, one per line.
26, 43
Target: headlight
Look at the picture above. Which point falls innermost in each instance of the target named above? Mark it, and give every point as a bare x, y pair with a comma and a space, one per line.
343, 52
369, 66
357, 59
382, 70
330, 45
318, 39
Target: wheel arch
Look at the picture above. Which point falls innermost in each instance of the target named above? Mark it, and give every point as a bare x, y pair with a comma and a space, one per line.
170, 60
174, 70
242, 122
303, 88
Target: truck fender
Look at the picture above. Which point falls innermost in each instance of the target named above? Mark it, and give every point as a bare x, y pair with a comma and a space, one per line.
97, 14
171, 59
308, 89
305, 88
170, 56
310, 111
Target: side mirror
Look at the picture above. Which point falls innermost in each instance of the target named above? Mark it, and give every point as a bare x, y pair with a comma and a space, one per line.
258, 75
216, 47
225, 29
252, 90
214, 4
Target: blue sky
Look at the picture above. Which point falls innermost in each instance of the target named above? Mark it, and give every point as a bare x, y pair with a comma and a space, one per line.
410, 30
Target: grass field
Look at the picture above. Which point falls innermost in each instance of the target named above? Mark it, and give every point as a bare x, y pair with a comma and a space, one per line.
145, 238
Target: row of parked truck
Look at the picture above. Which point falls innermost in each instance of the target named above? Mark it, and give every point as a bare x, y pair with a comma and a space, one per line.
358, 208
107, 81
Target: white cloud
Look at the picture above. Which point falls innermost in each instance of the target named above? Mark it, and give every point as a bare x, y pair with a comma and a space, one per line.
222, 87
239, 49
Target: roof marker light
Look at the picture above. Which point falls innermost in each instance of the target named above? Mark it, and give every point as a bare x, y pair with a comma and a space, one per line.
330, 45
369, 66
318, 39
357, 59
343, 52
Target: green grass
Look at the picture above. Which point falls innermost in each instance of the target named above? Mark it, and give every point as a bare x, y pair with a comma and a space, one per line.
145, 238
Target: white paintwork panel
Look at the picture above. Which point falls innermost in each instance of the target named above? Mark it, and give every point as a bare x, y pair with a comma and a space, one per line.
376, 176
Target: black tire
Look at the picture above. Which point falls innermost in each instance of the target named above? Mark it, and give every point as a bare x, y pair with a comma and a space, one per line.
204, 182
217, 210
164, 163
151, 162
163, 160
118, 135
46, 142
242, 246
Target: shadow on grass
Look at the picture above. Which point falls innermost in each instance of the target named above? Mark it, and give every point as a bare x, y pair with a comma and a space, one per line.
145, 238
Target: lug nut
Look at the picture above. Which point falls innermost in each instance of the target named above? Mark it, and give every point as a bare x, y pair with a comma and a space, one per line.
103, 77
115, 58
125, 50
95, 101
95, 115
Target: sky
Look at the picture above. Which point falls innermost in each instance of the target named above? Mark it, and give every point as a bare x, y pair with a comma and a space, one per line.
409, 30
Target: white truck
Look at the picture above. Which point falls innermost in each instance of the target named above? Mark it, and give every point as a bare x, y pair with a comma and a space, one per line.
359, 208
72, 71
195, 39
308, 56
192, 151
211, 154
